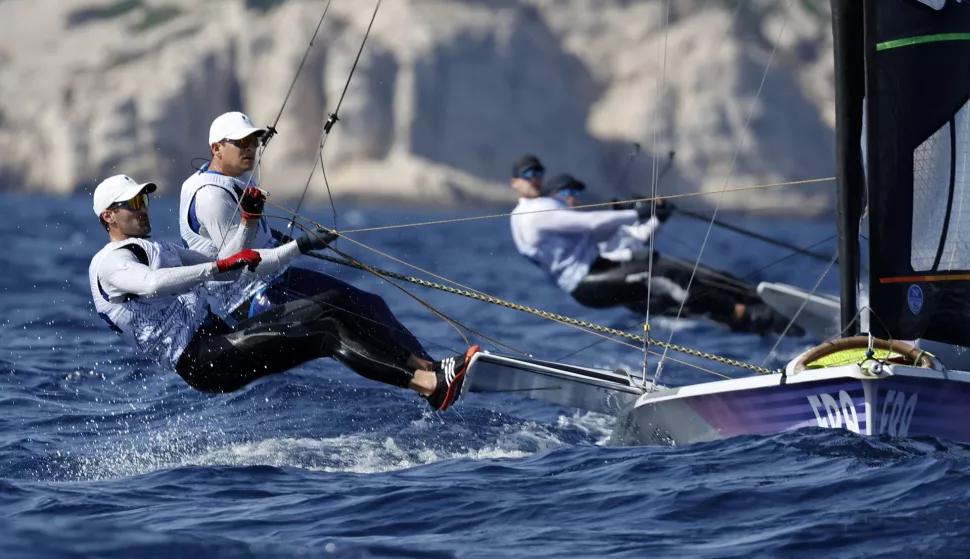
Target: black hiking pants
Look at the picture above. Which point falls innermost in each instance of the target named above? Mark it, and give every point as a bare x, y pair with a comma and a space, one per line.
301, 283
712, 293
220, 358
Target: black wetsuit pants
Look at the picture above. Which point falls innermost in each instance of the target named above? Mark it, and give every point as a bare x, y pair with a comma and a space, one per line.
712, 293
220, 358
301, 283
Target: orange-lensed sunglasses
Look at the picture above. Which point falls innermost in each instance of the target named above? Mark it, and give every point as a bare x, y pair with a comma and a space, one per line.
135, 204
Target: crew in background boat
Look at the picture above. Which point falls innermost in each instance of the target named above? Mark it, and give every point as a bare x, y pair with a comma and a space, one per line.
153, 293
628, 239
208, 215
579, 252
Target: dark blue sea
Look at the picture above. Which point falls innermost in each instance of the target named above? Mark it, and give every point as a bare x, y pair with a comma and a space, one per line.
104, 455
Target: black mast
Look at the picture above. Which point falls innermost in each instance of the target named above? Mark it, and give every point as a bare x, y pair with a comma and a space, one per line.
848, 34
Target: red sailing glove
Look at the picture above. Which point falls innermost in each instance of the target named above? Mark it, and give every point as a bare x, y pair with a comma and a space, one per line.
252, 202
246, 257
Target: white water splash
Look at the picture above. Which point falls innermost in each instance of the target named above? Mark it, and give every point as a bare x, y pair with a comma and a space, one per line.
366, 454
598, 426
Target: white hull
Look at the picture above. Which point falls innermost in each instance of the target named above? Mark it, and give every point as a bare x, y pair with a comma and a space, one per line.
817, 314
595, 390
897, 401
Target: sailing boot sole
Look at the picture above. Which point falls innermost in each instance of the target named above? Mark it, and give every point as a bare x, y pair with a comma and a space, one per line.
453, 389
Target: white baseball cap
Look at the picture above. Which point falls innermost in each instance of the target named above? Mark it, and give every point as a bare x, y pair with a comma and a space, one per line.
231, 126
118, 189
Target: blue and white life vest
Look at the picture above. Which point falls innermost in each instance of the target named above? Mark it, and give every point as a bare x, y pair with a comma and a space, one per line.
159, 327
225, 296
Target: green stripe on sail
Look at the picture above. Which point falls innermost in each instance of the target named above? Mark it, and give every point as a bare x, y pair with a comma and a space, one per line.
923, 39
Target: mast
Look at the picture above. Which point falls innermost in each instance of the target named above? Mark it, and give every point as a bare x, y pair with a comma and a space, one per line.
849, 45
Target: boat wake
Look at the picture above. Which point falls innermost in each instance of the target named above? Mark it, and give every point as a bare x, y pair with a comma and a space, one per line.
361, 453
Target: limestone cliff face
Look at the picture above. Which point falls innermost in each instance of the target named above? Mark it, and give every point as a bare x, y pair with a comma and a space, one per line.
446, 95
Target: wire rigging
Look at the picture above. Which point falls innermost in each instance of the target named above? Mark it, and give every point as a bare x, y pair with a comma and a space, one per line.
271, 130
744, 133
328, 125
655, 182
601, 331
588, 206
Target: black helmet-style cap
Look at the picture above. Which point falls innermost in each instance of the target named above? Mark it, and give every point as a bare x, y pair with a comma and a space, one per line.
560, 182
525, 163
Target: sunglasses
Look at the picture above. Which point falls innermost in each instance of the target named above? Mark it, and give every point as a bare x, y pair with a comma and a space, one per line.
135, 204
532, 173
567, 192
250, 141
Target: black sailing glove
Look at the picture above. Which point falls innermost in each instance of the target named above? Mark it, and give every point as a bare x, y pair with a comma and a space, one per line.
642, 207
315, 240
252, 202
664, 210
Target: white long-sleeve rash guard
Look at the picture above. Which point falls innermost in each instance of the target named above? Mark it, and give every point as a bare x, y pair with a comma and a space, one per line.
563, 241
121, 273
218, 216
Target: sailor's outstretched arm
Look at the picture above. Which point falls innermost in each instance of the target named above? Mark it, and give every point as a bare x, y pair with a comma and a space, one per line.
122, 274
601, 225
273, 259
643, 230
270, 260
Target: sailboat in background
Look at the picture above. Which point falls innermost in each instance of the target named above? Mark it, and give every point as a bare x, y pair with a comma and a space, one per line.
903, 67
817, 314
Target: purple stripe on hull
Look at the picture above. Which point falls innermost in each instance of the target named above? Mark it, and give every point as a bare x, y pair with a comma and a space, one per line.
907, 406
904, 406
835, 403
795, 393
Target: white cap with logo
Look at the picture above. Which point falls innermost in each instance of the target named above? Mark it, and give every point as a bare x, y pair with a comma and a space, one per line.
118, 188
231, 126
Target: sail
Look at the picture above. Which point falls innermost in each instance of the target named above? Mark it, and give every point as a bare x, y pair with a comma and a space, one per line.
917, 63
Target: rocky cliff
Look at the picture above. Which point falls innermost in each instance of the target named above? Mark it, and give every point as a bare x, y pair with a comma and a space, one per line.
447, 93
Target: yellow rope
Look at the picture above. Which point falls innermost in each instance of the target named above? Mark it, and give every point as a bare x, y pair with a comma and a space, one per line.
448, 320
556, 317
589, 327
385, 275
481, 296
587, 206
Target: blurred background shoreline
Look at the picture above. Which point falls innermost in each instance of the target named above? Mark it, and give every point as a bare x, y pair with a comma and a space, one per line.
446, 95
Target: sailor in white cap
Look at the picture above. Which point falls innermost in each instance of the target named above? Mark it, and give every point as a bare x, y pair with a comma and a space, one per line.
208, 215
153, 294
210, 208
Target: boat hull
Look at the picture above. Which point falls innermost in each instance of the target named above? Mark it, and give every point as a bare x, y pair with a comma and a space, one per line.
596, 390
900, 401
891, 400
